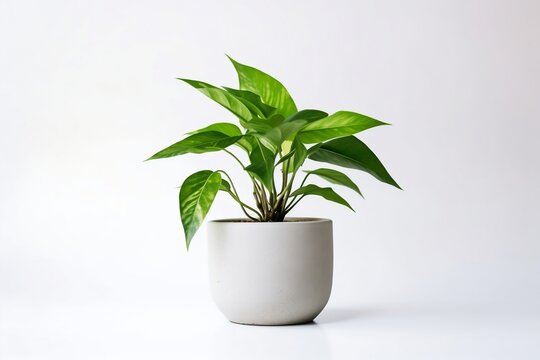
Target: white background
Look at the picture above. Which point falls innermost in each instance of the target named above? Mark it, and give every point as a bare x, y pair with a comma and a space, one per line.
92, 259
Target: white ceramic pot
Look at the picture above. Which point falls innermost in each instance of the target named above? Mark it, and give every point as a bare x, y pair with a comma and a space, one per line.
274, 273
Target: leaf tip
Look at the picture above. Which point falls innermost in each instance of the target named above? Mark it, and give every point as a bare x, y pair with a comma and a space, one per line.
234, 62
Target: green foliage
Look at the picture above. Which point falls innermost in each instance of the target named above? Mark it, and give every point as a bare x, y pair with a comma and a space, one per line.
197, 194
352, 153
326, 193
273, 140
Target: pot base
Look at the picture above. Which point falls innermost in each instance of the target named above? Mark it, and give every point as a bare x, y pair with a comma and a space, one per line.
281, 324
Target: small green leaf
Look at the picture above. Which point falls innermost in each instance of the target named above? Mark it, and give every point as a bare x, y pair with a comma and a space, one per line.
227, 129
197, 144
262, 163
271, 91
225, 186
264, 125
327, 193
285, 157
300, 154
197, 194
335, 177
342, 123
352, 153
222, 97
308, 115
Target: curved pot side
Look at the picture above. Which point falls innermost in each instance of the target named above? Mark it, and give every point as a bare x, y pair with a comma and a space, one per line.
271, 273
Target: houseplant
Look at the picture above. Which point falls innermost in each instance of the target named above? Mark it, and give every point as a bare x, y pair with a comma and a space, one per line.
267, 268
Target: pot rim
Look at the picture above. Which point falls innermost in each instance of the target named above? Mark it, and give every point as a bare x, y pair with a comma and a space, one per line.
288, 221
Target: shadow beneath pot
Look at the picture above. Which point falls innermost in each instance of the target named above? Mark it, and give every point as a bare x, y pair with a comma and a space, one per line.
234, 341
344, 314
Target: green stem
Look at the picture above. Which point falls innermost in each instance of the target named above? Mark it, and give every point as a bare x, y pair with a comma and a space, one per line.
235, 157
290, 207
301, 184
236, 197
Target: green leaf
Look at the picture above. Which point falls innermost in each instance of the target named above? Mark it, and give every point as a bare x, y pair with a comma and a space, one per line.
227, 129
352, 153
285, 157
274, 131
308, 115
223, 127
197, 194
253, 102
300, 154
271, 91
342, 123
264, 125
327, 193
197, 144
335, 177
262, 163
296, 156
225, 186
222, 97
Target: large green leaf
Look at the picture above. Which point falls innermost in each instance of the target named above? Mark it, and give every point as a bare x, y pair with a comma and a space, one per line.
327, 193
253, 102
271, 91
342, 123
197, 194
308, 115
198, 143
222, 97
262, 163
283, 132
335, 177
352, 153
223, 127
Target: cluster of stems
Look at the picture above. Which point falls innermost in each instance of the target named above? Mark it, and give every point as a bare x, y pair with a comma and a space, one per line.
271, 205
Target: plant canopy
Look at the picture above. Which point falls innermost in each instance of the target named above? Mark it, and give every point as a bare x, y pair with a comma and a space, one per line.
276, 139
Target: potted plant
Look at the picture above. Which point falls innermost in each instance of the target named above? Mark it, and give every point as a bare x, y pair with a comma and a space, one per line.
267, 268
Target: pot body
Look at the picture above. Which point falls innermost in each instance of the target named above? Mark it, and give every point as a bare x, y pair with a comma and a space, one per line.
270, 273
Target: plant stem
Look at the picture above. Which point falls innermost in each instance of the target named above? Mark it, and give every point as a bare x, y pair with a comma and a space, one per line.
290, 207
301, 184
235, 157
236, 197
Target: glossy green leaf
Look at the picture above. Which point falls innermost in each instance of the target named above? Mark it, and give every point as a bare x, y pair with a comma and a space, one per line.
253, 102
327, 193
352, 153
286, 157
342, 123
227, 129
198, 143
335, 177
223, 127
309, 115
197, 194
262, 163
222, 97
300, 154
264, 125
225, 186
271, 91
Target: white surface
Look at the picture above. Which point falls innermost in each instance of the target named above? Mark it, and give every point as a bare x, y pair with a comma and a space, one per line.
274, 273
373, 332
92, 260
